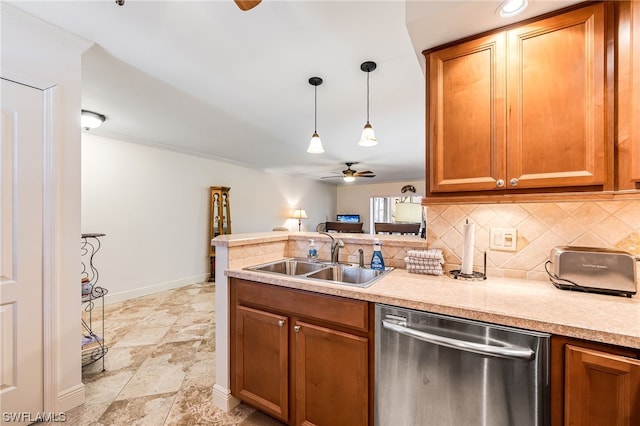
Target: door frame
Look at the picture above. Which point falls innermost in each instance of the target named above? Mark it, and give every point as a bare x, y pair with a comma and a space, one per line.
49, 238
49, 307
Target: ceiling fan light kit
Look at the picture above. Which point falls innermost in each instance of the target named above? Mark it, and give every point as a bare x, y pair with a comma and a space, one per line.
315, 144
368, 137
350, 175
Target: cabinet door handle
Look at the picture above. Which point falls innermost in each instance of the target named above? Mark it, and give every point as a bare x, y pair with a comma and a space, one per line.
513, 182
296, 328
500, 183
280, 323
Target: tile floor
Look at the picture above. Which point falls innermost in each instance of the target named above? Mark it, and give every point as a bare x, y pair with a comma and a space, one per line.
160, 367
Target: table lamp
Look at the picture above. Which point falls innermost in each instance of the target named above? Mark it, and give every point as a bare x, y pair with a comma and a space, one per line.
299, 214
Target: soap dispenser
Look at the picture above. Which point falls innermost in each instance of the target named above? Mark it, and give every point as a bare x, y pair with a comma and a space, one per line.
312, 254
377, 262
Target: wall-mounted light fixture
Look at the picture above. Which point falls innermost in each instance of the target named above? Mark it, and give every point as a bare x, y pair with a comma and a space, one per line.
91, 120
315, 145
368, 138
299, 214
408, 188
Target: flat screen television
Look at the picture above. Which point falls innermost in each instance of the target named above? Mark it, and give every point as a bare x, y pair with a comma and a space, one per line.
349, 218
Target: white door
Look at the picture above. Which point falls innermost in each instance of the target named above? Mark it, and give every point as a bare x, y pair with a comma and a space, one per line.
21, 186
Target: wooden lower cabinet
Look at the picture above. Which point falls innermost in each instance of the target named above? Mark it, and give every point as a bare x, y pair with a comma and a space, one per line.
301, 357
594, 384
262, 360
330, 392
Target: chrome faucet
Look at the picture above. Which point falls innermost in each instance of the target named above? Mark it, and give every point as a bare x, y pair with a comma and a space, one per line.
336, 245
361, 258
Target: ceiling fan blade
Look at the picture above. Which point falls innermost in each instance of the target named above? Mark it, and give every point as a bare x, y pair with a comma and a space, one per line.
330, 177
368, 172
247, 4
369, 176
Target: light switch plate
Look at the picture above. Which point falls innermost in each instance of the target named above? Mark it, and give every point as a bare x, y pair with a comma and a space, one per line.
503, 239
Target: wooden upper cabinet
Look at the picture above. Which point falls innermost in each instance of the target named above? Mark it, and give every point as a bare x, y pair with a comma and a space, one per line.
635, 90
600, 388
467, 115
628, 79
556, 101
630, 65
522, 108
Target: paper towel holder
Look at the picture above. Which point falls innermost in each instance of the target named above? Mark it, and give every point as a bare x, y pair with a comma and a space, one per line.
457, 274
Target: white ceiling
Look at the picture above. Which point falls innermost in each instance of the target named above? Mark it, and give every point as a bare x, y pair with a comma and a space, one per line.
205, 78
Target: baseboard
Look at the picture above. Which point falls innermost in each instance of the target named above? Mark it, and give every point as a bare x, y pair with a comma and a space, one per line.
70, 398
223, 399
155, 288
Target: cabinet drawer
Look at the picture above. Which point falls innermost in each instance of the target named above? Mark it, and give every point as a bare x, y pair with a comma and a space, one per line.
353, 314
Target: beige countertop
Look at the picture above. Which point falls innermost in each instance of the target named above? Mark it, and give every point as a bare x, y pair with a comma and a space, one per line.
533, 305
235, 240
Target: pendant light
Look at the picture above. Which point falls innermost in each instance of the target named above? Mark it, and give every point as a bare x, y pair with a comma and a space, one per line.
315, 145
368, 138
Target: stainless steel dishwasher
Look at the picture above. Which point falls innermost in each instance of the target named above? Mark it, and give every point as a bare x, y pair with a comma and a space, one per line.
438, 370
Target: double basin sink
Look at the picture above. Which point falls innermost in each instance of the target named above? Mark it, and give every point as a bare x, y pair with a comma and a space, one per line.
346, 274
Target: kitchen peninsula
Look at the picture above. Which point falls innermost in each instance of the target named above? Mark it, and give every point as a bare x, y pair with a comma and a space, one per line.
532, 305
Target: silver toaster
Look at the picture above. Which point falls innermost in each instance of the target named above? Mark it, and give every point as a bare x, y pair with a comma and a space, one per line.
592, 269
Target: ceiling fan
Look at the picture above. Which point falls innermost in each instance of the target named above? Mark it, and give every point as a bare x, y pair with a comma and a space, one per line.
242, 4
247, 4
349, 175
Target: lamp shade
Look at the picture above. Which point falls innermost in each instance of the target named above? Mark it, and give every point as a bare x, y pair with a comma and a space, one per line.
299, 214
315, 145
408, 212
349, 178
368, 138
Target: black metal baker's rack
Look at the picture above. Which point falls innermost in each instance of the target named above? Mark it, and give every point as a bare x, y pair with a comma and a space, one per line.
93, 344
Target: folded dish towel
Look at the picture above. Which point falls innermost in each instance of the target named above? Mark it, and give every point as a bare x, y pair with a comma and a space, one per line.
417, 269
427, 262
420, 261
426, 254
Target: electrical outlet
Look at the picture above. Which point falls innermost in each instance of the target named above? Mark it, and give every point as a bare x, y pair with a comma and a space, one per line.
503, 239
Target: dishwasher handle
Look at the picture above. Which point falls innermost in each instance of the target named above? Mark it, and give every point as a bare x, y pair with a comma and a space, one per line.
507, 351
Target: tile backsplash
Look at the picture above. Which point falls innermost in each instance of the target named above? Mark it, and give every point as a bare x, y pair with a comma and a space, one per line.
540, 226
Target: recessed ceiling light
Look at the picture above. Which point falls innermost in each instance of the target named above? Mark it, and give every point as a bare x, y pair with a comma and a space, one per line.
512, 7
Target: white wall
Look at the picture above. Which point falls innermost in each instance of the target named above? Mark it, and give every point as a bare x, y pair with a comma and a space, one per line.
355, 198
153, 206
